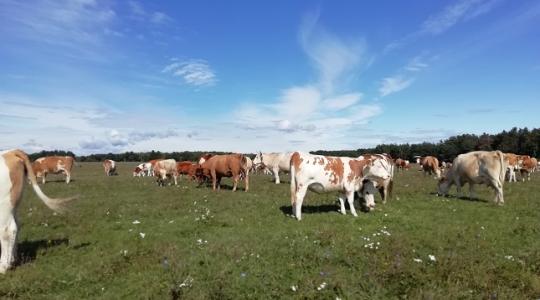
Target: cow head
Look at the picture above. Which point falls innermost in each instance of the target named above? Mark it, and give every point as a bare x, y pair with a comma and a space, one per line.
378, 169
443, 185
258, 163
368, 193
202, 174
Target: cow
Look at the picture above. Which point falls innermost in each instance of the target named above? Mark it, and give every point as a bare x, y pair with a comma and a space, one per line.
142, 170
229, 165
53, 164
249, 166
14, 166
274, 162
477, 167
512, 166
386, 162
402, 164
165, 168
527, 165
187, 168
204, 158
327, 173
110, 167
430, 166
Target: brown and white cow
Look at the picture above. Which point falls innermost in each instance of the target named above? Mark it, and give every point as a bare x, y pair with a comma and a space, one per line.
109, 166
430, 166
165, 168
327, 173
402, 164
512, 166
219, 166
386, 162
53, 164
477, 167
527, 165
14, 166
275, 162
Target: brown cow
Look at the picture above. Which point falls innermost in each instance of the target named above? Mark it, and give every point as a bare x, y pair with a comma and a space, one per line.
187, 168
230, 165
53, 164
110, 167
527, 165
512, 167
430, 165
402, 164
205, 157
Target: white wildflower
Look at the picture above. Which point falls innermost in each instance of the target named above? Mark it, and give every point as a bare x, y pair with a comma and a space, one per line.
418, 260
142, 234
294, 288
136, 222
432, 257
322, 286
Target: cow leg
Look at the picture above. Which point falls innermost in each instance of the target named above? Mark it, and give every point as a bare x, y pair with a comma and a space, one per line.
499, 199
300, 194
68, 177
235, 182
383, 192
471, 191
175, 176
276, 174
44, 174
246, 182
459, 184
341, 198
350, 199
218, 182
8, 242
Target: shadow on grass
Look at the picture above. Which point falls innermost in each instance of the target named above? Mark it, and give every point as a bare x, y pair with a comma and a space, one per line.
28, 249
240, 186
460, 198
311, 209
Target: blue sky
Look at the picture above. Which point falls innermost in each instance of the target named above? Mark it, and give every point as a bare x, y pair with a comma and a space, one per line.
96, 76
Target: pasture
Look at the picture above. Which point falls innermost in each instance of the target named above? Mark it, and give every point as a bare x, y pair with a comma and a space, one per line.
126, 237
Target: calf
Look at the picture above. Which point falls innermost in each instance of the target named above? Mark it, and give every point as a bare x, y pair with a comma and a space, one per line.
527, 165
187, 168
275, 162
430, 166
14, 166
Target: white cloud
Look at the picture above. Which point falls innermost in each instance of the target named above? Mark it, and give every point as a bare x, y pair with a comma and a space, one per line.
342, 101
416, 64
196, 72
394, 84
463, 10
138, 12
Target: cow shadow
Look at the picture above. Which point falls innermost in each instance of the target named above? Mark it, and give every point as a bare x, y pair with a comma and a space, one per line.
464, 198
311, 209
223, 186
27, 250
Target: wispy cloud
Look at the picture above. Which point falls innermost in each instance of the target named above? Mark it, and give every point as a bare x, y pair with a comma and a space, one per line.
392, 85
451, 15
196, 72
442, 21
138, 12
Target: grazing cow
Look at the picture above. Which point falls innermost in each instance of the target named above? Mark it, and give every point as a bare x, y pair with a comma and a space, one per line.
274, 162
477, 167
527, 165
110, 167
229, 165
326, 173
430, 165
512, 166
205, 157
187, 168
53, 164
402, 164
14, 166
165, 168
142, 170
384, 161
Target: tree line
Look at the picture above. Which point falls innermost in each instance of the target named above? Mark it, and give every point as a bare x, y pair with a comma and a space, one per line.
519, 141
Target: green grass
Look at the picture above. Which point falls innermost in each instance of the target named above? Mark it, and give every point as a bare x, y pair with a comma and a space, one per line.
251, 248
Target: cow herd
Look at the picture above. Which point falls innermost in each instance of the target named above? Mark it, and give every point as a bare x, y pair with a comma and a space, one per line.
363, 176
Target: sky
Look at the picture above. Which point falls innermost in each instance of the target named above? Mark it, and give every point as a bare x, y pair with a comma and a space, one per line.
93, 76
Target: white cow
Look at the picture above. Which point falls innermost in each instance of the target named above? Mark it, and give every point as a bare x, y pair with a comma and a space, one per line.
326, 173
165, 168
14, 166
274, 162
477, 167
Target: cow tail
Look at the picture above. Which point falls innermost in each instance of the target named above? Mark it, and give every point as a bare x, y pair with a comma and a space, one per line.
56, 204
391, 183
293, 180
243, 161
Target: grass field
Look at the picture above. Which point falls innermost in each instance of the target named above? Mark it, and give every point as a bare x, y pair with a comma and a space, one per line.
199, 244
